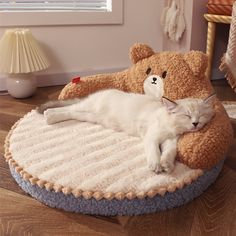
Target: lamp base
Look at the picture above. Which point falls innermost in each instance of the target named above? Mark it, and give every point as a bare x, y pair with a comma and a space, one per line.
21, 85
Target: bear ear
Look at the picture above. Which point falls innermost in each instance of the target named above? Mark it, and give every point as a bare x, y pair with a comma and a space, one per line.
197, 61
140, 51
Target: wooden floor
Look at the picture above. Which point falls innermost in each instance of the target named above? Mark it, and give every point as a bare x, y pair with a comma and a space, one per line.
213, 213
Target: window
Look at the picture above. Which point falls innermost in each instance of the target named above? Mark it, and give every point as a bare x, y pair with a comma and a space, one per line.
54, 5
60, 12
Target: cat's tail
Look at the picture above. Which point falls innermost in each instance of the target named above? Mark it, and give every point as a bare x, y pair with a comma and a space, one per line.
54, 104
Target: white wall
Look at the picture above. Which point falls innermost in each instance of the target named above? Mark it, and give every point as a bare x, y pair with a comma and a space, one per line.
199, 26
184, 44
194, 37
89, 49
82, 49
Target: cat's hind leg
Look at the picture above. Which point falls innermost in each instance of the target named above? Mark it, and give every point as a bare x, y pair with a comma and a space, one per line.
63, 113
59, 114
54, 104
86, 117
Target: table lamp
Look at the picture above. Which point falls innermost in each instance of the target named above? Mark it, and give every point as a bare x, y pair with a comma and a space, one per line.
20, 56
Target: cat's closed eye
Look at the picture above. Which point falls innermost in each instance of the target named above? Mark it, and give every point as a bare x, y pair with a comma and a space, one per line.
188, 116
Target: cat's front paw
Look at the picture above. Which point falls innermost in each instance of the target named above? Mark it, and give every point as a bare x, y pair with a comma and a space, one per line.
167, 166
154, 165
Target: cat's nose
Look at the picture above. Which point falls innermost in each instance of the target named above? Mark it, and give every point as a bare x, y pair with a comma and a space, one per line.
154, 79
195, 124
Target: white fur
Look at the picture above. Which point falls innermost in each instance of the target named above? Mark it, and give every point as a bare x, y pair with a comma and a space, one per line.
158, 122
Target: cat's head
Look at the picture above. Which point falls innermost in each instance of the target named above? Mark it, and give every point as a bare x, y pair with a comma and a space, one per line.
191, 113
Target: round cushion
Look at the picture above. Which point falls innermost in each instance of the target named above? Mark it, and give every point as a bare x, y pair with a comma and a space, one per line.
86, 168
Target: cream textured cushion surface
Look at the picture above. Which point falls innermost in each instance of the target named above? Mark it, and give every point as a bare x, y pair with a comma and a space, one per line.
83, 158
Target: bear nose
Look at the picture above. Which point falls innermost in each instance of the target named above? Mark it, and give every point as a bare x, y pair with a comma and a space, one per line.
154, 79
195, 124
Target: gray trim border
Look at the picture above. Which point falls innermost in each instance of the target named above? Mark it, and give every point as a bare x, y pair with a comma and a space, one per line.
120, 207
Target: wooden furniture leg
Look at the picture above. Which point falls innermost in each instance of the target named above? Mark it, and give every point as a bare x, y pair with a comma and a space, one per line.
210, 46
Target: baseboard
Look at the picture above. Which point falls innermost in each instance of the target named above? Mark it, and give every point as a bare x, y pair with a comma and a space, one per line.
45, 80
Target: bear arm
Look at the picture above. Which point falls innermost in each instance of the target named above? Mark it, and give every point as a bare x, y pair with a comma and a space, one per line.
91, 84
204, 149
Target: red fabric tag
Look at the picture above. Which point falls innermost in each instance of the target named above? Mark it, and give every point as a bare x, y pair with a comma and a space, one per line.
76, 80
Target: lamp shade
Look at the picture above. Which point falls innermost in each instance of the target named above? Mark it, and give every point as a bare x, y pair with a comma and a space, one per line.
21, 53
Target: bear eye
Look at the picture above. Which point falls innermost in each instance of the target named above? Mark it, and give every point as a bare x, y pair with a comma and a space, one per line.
164, 74
148, 70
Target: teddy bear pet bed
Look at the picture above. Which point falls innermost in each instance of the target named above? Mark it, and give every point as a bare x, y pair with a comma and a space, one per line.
84, 167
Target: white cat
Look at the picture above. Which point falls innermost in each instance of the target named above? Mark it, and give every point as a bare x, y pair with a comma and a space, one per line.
158, 122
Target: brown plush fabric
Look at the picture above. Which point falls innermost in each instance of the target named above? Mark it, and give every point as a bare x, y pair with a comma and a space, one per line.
185, 78
220, 7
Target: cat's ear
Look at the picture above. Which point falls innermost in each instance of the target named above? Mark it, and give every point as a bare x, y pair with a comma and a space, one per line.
169, 104
210, 99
